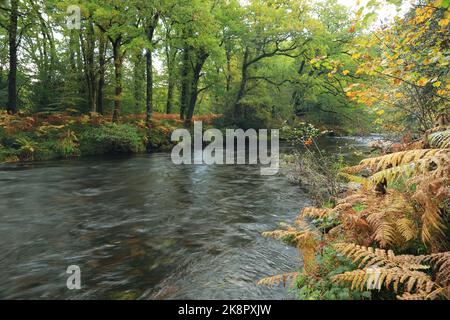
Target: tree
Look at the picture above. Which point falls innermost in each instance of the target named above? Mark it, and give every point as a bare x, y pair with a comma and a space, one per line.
12, 76
88, 43
151, 19
102, 47
198, 26
171, 53
258, 41
118, 21
407, 66
15, 10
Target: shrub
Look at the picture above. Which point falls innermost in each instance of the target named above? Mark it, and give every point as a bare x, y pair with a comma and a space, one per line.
111, 138
329, 264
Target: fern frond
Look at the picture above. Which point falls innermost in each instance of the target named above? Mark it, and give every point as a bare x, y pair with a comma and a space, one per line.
352, 170
384, 231
306, 241
281, 278
440, 139
421, 295
391, 277
431, 194
360, 197
307, 246
374, 257
407, 228
379, 267
442, 127
312, 212
434, 165
352, 178
441, 265
396, 159
387, 215
367, 256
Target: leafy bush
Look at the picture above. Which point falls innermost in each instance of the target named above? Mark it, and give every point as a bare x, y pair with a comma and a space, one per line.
298, 134
111, 138
322, 286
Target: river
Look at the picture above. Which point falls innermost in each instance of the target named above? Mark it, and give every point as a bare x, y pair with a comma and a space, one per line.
140, 227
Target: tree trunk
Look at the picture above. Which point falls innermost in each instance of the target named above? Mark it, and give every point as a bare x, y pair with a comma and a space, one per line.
101, 79
228, 76
170, 89
170, 80
185, 83
149, 98
88, 47
192, 101
137, 80
244, 77
12, 75
201, 59
118, 79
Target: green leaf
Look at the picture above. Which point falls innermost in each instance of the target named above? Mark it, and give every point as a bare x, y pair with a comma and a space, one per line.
445, 3
369, 18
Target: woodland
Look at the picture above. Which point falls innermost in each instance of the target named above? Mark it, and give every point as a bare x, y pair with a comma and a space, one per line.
95, 77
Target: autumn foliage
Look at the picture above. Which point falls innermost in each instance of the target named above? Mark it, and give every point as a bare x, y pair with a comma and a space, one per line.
390, 237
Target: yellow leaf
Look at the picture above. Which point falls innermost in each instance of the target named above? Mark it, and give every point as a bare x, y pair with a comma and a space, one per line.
399, 95
422, 82
356, 55
443, 23
380, 112
345, 72
378, 121
437, 84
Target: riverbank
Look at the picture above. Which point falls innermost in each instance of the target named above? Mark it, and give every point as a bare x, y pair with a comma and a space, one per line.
48, 136
386, 239
63, 135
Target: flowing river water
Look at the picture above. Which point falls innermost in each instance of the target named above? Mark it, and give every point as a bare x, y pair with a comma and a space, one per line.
140, 227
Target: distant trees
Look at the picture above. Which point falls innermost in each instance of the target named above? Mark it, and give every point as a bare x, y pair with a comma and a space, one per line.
10, 20
266, 60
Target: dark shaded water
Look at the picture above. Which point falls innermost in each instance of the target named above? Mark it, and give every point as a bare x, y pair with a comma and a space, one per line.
141, 227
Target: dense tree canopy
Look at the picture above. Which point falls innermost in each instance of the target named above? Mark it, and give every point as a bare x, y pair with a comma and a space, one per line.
257, 62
